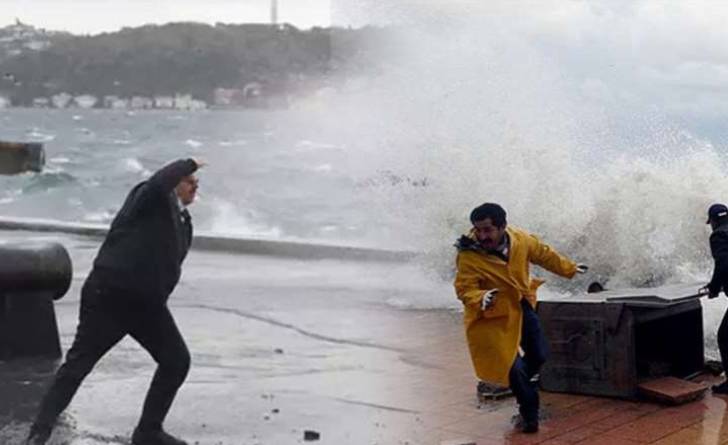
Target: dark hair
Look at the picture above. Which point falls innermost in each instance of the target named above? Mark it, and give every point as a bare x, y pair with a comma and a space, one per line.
489, 210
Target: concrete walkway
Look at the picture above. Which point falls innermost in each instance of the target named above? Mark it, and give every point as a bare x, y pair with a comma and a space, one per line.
281, 346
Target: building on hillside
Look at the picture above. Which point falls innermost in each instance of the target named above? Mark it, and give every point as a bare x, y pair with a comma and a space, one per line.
182, 101
197, 105
226, 97
61, 100
41, 102
85, 101
119, 103
37, 45
252, 90
108, 100
164, 102
141, 103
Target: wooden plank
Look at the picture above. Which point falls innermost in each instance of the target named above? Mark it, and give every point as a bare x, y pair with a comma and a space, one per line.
672, 390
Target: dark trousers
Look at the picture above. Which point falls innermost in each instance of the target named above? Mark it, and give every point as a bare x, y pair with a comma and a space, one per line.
524, 368
107, 316
723, 342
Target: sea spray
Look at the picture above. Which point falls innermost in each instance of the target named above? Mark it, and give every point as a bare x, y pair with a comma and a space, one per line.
472, 112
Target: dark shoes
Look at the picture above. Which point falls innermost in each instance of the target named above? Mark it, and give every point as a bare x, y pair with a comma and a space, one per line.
720, 389
156, 437
492, 391
38, 436
528, 427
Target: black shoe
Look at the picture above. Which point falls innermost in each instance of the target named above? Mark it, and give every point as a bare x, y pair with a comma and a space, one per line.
720, 389
530, 427
522, 425
38, 436
490, 390
156, 437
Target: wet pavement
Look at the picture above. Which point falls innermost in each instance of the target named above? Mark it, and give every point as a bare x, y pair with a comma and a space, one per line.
281, 346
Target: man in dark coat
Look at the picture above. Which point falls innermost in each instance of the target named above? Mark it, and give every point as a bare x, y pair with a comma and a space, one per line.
718, 220
136, 269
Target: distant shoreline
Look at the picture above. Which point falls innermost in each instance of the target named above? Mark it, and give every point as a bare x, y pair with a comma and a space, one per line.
181, 65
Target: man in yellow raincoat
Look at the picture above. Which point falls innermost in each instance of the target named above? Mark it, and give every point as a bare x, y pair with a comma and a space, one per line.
499, 295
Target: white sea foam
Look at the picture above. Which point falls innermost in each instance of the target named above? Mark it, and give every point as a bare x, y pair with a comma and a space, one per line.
102, 216
238, 142
133, 165
323, 168
306, 145
228, 219
498, 121
37, 135
486, 115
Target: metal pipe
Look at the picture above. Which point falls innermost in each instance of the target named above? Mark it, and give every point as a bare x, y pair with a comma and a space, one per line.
31, 267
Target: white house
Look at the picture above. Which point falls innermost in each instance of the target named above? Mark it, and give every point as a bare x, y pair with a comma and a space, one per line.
41, 102
61, 100
197, 105
182, 101
119, 104
141, 103
164, 102
85, 101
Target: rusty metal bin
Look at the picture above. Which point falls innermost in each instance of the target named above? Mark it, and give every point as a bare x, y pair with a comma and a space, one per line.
19, 157
607, 343
32, 275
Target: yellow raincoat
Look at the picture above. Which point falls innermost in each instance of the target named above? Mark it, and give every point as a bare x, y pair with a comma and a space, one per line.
494, 335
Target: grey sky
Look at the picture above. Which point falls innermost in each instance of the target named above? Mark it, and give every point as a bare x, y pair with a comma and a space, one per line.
672, 55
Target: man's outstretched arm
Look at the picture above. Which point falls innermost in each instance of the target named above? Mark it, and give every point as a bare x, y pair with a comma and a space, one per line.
545, 256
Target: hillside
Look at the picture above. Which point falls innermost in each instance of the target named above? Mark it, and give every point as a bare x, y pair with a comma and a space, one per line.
184, 58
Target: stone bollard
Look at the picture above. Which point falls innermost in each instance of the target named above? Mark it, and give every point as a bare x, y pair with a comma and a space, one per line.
19, 157
31, 277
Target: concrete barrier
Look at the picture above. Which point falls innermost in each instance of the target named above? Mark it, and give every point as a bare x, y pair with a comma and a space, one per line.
218, 243
31, 277
19, 157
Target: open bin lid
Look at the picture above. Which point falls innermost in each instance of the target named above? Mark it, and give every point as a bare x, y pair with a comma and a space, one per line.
653, 296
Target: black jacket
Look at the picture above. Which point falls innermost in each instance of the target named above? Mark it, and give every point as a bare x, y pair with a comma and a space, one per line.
719, 250
149, 238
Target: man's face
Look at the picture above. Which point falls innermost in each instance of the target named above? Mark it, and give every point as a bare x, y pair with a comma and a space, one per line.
489, 235
186, 189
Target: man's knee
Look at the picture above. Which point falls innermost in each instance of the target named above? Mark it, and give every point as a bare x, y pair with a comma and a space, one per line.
723, 333
518, 375
176, 366
183, 368
75, 369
